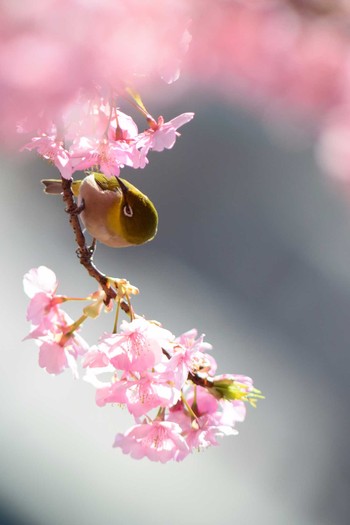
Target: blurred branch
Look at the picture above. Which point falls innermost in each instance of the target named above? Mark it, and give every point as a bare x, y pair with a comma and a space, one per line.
320, 7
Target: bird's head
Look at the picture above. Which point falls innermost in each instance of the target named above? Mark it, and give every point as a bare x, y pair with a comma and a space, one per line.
138, 218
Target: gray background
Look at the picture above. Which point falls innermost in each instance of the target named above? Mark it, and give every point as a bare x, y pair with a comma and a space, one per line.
254, 250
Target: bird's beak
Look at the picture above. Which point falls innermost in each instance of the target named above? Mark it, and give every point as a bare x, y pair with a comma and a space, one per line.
123, 187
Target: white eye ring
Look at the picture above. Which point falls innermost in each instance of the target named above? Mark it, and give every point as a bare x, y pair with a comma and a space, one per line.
127, 210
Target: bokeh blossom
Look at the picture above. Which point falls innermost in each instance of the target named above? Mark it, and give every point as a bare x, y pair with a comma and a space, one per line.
285, 51
285, 57
52, 49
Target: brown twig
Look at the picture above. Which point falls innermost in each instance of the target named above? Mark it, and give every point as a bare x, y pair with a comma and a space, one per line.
85, 253
319, 7
205, 382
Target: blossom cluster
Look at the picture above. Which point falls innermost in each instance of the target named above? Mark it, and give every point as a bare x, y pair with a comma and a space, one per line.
288, 59
167, 383
95, 133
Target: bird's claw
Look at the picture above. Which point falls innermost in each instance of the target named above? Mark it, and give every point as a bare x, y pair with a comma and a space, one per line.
84, 254
74, 209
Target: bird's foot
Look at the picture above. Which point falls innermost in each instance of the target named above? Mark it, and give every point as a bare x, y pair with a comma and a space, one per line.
75, 209
84, 254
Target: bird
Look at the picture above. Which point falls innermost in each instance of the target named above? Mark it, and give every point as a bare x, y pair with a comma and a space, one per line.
113, 211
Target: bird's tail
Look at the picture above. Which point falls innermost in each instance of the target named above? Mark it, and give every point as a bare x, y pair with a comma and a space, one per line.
54, 186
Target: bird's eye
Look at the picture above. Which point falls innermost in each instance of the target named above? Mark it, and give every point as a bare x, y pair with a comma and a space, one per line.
127, 210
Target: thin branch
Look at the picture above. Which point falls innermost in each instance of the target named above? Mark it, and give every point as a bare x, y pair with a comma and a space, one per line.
205, 382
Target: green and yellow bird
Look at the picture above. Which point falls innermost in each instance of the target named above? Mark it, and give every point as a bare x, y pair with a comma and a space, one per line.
114, 211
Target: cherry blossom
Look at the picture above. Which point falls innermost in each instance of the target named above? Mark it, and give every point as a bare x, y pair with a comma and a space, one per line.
102, 141
162, 135
140, 394
57, 353
187, 355
210, 419
96, 135
96, 359
53, 357
52, 150
137, 347
40, 280
191, 341
122, 127
51, 328
109, 156
40, 285
158, 441
59, 347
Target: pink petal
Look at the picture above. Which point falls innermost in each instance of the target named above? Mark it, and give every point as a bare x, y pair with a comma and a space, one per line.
40, 279
180, 120
52, 357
